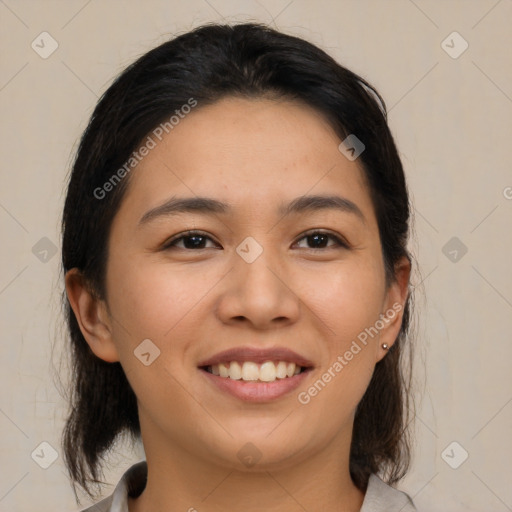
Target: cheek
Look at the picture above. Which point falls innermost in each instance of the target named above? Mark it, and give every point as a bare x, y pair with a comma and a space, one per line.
347, 299
348, 302
153, 300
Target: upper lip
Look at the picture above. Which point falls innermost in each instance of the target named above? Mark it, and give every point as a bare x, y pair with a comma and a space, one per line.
257, 355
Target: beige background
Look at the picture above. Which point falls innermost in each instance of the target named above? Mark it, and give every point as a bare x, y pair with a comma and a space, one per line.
451, 119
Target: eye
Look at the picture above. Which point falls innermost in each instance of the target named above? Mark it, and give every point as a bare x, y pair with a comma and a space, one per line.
318, 239
197, 240
191, 240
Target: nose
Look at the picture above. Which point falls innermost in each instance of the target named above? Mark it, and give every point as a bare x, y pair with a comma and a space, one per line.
260, 293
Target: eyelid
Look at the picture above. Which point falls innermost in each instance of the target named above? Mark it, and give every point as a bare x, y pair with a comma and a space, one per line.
185, 234
340, 240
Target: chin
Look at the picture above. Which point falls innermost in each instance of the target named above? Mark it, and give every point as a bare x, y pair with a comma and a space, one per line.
258, 451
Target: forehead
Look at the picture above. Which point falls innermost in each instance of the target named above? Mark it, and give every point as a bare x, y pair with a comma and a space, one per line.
248, 152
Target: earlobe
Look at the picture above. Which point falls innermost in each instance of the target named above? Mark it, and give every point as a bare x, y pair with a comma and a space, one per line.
92, 317
393, 306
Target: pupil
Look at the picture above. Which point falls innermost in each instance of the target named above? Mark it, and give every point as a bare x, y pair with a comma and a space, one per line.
316, 237
189, 245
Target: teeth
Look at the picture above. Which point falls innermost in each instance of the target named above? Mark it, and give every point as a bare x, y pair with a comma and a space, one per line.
249, 371
235, 371
281, 370
268, 372
223, 370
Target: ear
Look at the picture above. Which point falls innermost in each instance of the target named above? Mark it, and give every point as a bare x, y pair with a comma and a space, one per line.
393, 306
92, 316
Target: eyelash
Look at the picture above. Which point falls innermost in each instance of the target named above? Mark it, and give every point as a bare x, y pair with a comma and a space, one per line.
189, 234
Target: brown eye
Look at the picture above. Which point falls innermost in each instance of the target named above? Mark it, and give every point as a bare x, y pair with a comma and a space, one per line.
191, 240
196, 240
320, 239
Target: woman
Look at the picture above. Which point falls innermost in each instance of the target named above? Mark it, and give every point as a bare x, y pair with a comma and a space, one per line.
236, 272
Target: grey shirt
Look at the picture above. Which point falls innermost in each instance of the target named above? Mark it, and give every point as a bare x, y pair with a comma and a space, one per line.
379, 497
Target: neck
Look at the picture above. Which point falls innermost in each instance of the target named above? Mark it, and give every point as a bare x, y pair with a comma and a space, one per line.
180, 481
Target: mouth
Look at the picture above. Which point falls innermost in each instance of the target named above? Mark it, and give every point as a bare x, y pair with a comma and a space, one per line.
255, 374
250, 371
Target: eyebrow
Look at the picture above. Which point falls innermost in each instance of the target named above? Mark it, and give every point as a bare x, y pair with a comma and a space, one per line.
210, 206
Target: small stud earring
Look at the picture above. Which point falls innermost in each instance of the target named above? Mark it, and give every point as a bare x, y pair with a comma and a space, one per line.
385, 346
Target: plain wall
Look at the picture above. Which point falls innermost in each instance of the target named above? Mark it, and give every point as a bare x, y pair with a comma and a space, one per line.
451, 120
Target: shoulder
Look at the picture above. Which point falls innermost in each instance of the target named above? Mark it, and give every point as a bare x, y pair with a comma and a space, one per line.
131, 483
104, 505
381, 497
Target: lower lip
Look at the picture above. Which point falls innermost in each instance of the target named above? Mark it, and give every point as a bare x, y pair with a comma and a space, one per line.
256, 391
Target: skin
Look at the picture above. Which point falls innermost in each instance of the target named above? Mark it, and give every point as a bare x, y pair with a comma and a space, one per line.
193, 303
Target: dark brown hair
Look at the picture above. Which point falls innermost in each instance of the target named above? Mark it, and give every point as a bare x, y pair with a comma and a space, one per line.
208, 63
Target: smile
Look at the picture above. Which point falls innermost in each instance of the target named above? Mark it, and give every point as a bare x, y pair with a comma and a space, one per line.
250, 371
246, 381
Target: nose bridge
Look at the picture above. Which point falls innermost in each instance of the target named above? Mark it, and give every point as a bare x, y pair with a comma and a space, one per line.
258, 289
258, 263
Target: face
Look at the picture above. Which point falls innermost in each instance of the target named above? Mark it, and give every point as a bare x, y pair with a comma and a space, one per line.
275, 285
